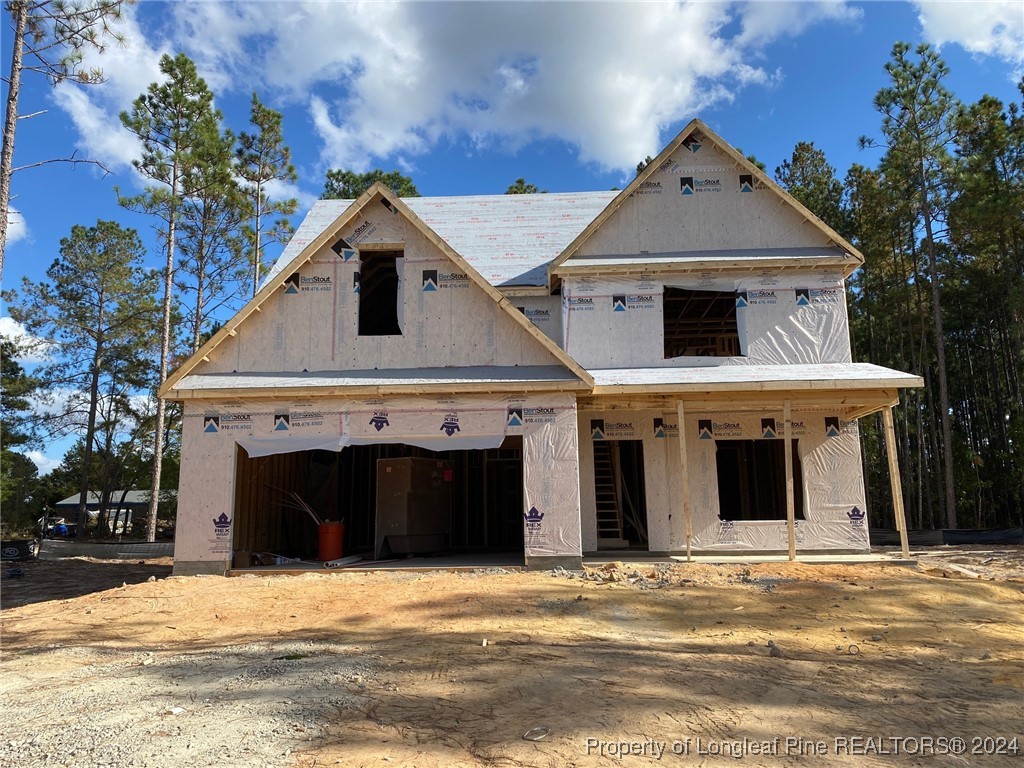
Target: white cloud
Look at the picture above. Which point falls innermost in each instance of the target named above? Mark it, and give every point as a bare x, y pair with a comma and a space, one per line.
17, 229
285, 190
391, 80
128, 70
763, 22
989, 27
33, 349
43, 463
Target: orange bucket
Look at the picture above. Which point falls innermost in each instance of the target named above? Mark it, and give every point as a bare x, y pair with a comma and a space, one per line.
331, 536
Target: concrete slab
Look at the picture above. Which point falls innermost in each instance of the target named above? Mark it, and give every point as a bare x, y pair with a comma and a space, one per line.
510, 561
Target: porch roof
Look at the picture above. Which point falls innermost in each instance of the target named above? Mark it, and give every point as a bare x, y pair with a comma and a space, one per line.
484, 378
855, 389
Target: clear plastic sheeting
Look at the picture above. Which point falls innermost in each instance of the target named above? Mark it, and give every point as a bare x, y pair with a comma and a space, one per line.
782, 318
551, 489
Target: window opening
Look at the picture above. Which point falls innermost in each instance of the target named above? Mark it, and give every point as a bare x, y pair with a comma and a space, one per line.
700, 323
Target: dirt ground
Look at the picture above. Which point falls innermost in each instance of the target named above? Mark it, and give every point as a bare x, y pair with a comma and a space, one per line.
688, 664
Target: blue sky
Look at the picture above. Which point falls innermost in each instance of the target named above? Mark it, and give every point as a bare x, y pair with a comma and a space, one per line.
466, 97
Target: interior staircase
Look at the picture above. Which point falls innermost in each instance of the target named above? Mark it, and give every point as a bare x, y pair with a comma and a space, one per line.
609, 505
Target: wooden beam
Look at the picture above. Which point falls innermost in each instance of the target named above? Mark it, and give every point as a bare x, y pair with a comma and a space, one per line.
894, 480
867, 410
737, 264
852, 402
395, 246
377, 390
787, 416
685, 478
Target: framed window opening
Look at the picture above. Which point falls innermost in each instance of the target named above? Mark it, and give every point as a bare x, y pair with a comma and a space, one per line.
700, 323
752, 480
379, 293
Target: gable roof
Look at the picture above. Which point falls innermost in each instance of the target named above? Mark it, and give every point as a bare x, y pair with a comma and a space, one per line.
720, 144
508, 239
329, 235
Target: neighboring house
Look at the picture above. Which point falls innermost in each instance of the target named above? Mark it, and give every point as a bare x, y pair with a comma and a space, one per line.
122, 506
665, 368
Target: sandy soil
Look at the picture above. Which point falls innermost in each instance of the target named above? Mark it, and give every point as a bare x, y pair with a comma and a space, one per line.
392, 669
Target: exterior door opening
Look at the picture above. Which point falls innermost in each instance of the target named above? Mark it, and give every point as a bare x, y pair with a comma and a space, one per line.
620, 492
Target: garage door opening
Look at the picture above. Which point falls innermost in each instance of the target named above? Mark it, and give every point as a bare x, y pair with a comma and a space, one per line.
752, 479
485, 487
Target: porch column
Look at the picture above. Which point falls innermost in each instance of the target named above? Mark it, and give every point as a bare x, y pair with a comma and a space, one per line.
894, 479
787, 417
687, 505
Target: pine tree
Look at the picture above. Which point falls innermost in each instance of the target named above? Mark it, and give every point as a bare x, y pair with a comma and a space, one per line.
917, 121
97, 312
522, 187
175, 121
809, 178
50, 39
213, 269
261, 159
348, 185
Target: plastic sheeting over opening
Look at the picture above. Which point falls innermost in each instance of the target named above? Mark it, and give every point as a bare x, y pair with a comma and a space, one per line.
270, 446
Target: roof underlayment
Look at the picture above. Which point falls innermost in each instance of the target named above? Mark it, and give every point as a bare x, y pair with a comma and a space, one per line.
509, 239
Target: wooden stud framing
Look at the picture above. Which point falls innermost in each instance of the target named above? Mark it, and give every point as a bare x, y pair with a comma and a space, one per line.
894, 480
787, 416
685, 478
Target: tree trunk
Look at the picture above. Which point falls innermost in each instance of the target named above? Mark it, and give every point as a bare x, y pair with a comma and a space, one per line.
940, 356
165, 348
90, 432
19, 10
257, 255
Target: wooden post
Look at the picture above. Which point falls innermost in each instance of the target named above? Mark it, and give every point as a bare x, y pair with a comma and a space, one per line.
894, 479
787, 417
687, 506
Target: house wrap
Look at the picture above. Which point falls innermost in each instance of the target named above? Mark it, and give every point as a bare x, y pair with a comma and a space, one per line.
665, 368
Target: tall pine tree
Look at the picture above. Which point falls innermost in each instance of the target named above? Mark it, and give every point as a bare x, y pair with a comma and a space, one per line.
96, 310
917, 122
262, 158
175, 122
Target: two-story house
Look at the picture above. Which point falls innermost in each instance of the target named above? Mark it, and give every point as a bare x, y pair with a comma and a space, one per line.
665, 368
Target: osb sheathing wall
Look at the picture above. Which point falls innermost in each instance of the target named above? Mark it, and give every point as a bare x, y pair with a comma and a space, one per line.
719, 211
833, 487
311, 323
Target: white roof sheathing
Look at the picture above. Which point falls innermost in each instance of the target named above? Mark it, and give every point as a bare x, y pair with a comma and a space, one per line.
498, 377
752, 258
509, 239
753, 377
